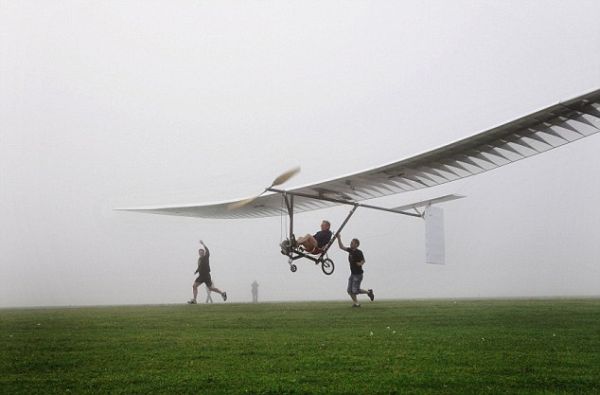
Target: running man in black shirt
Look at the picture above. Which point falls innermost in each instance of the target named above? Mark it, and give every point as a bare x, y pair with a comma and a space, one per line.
357, 260
204, 274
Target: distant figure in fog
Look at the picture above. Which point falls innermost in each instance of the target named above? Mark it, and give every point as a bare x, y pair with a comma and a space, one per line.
254, 292
208, 297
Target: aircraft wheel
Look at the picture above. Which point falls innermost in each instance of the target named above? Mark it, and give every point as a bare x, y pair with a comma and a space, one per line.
327, 266
293, 268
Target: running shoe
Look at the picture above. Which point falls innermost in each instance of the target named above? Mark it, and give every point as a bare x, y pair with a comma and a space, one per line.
371, 294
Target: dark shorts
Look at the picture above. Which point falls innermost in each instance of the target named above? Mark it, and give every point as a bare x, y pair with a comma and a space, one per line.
354, 283
204, 279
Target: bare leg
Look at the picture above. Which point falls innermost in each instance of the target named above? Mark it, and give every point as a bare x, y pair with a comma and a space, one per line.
302, 239
217, 290
308, 242
369, 293
195, 288
213, 289
353, 296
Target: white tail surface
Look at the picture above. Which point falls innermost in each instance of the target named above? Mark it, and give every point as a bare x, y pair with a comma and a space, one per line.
434, 236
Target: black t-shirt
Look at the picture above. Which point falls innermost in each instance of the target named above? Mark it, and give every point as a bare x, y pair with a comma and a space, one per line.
355, 256
203, 265
323, 237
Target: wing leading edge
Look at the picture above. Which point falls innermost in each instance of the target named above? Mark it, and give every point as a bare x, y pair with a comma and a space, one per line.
530, 135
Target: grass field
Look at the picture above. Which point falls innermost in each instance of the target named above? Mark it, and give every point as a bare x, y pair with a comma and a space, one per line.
464, 346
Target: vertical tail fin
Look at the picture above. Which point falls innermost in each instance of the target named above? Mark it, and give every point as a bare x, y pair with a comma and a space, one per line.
434, 235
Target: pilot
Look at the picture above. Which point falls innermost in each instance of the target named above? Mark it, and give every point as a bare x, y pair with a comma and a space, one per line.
314, 243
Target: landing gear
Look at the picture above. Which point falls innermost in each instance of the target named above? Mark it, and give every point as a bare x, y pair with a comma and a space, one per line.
292, 253
327, 266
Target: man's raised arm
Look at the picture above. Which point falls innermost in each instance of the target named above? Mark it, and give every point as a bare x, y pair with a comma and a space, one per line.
205, 248
339, 239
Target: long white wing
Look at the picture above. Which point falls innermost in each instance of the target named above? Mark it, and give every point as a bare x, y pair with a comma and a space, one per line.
530, 135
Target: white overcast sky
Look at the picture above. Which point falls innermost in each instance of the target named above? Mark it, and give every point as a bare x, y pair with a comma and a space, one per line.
126, 103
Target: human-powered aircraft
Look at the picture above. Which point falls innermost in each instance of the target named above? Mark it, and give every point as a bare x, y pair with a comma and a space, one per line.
549, 128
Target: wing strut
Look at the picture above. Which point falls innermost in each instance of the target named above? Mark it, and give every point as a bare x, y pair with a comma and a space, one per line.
337, 233
289, 203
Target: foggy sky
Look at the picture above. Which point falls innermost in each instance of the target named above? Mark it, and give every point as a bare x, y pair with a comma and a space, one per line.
111, 104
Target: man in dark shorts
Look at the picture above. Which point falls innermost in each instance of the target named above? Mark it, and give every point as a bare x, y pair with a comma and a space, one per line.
316, 242
357, 260
204, 274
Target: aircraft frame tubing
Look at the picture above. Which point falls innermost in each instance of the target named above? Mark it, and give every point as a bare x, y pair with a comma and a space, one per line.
289, 202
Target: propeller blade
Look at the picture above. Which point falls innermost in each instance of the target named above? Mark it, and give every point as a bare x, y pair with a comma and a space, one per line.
242, 203
286, 176
278, 181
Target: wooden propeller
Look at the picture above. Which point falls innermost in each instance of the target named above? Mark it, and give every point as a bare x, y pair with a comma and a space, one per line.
282, 178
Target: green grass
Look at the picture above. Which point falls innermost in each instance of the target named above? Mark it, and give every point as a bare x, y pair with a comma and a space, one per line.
491, 346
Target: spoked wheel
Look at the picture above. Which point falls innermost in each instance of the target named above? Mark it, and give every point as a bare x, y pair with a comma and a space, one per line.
293, 268
327, 266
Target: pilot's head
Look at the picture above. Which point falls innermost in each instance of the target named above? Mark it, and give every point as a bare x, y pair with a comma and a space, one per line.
354, 243
325, 225
201, 252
